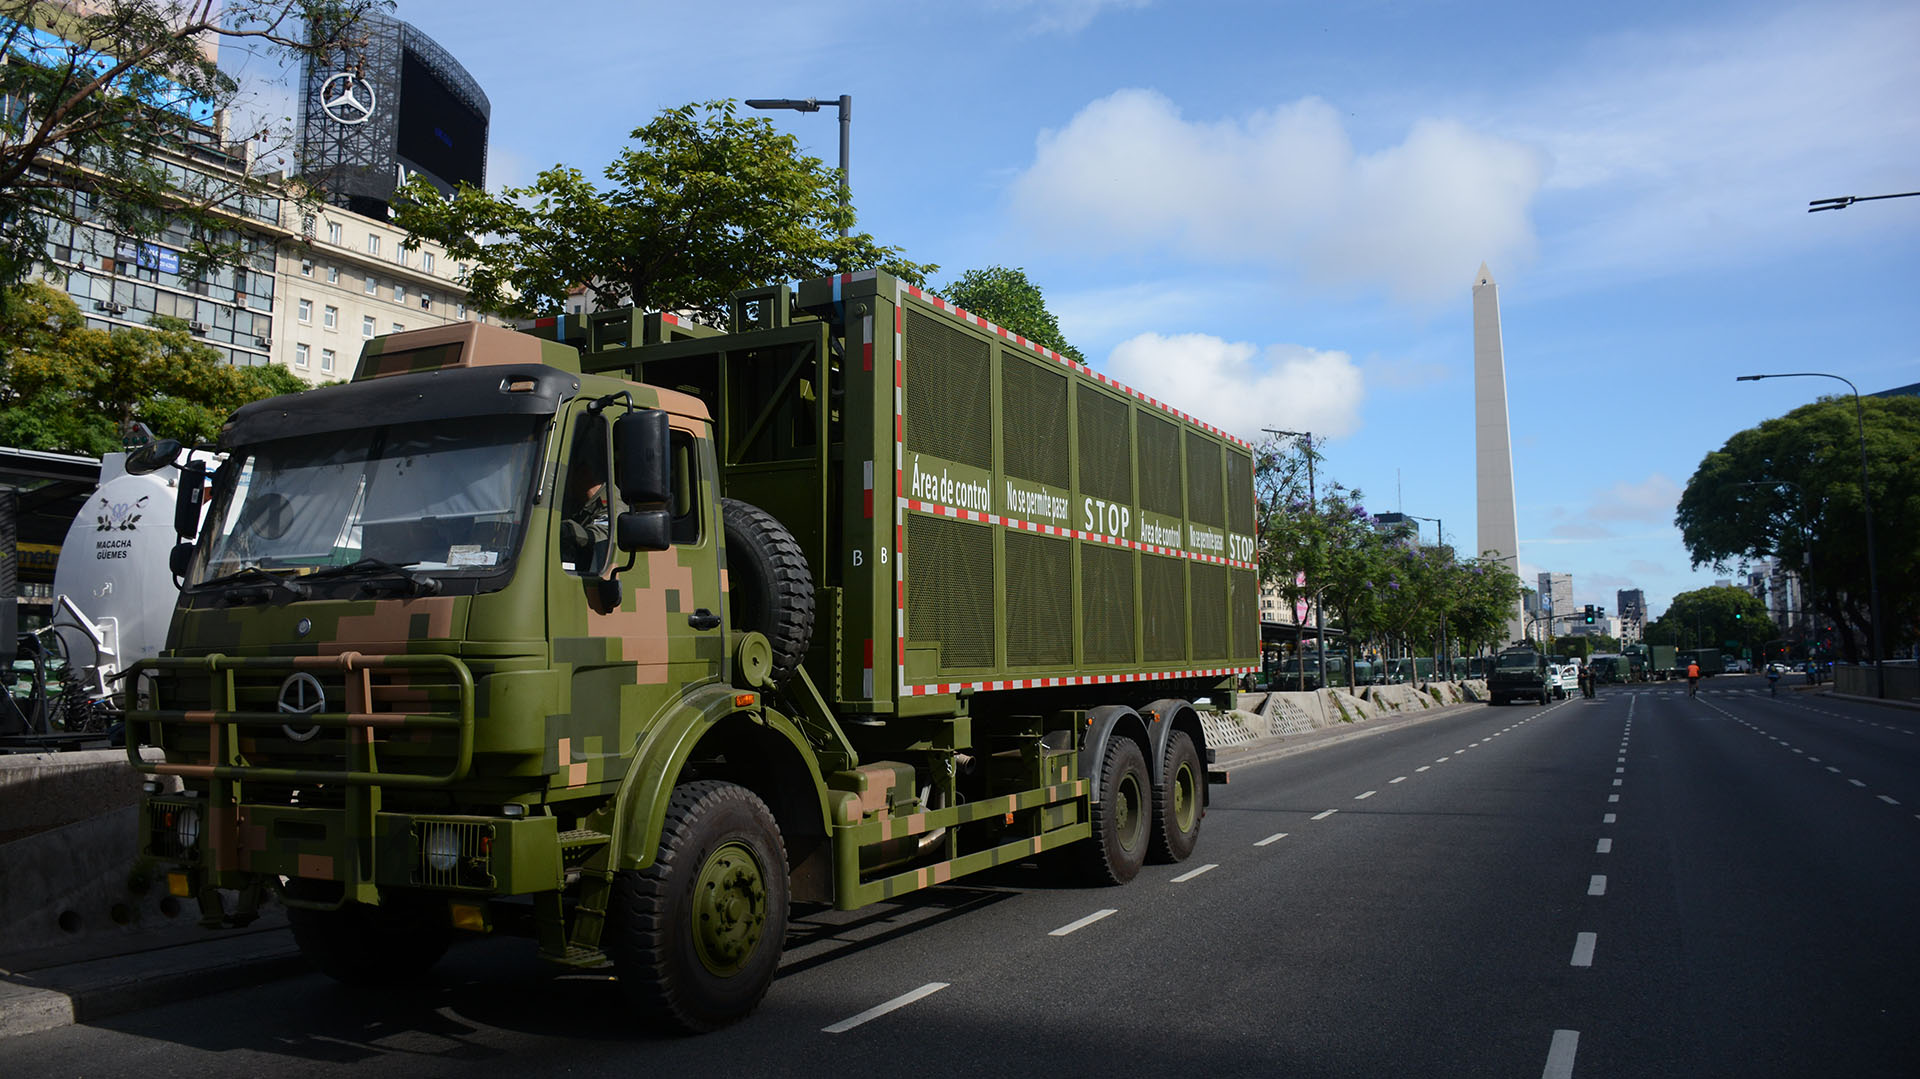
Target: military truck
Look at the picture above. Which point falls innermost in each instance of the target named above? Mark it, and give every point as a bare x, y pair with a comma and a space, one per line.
627, 633
1711, 661
1519, 674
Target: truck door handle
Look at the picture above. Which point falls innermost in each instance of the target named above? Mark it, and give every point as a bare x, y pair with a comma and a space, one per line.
703, 619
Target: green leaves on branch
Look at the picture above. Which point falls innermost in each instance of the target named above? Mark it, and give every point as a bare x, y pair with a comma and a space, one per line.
707, 203
70, 389
1007, 298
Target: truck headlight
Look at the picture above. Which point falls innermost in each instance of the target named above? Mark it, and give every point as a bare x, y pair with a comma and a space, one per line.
443, 848
186, 828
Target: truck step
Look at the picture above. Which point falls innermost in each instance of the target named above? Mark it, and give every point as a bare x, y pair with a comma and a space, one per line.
576, 956
583, 837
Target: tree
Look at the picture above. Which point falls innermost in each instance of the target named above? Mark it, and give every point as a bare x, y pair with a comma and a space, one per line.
92, 92
1790, 489
707, 204
1710, 617
70, 389
1008, 298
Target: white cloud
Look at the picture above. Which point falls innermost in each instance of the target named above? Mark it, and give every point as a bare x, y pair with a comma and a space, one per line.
1652, 500
1286, 187
1240, 388
1065, 16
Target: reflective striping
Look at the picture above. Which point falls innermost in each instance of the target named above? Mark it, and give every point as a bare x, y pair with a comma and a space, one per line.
1566, 1043
928, 689
1583, 949
1083, 923
1192, 873
879, 1010
1274, 838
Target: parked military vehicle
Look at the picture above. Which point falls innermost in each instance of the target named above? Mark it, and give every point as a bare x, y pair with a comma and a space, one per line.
1711, 660
1610, 668
628, 633
1519, 674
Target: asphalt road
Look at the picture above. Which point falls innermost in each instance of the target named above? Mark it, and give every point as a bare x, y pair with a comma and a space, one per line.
1638, 885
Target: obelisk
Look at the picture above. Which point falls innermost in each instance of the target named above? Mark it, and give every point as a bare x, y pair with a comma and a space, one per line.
1499, 530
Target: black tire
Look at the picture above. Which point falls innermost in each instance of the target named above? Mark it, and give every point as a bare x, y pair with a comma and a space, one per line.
696, 937
1179, 800
1122, 817
357, 944
769, 588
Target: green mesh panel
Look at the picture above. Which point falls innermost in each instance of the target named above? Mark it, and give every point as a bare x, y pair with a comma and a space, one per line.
1106, 466
950, 589
1163, 587
1210, 612
1159, 465
1106, 603
947, 401
1033, 441
1039, 622
1239, 491
1245, 631
1206, 501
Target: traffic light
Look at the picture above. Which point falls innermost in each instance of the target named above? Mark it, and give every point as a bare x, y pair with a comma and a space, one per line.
1588, 614
1737, 616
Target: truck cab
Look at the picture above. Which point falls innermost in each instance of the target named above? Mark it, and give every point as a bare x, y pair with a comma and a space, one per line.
1520, 674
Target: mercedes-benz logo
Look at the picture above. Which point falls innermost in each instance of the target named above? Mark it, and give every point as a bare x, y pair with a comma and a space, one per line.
347, 98
301, 695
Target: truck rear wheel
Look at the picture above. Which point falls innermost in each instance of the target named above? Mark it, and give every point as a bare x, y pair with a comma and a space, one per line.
769, 587
1121, 817
1178, 800
358, 944
696, 936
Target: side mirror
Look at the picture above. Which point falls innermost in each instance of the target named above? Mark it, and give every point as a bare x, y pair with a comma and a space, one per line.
645, 530
180, 559
642, 459
193, 493
153, 456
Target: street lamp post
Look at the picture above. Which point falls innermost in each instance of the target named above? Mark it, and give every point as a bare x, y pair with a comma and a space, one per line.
812, 104
1313, 499
1866, 504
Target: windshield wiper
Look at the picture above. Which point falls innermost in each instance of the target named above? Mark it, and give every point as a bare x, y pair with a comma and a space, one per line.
253, 583
408, 582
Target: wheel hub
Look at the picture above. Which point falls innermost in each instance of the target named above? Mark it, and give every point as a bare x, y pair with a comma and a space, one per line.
730, 909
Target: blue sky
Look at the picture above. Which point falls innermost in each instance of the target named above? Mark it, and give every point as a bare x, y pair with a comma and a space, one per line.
1270, 214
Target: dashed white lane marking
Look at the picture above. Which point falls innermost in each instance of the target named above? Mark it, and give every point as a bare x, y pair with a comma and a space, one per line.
1889, 799
1272, 839
1831, 768
1856, 782
879, 1010
1616, 782
1363, 796
1083, 923
1613, 797
1397, 779
1323, 814
1815, 760
1598, 885
1608, 818
1620, 760
1560, 1055
1617, 771
1441, 760
1583, 949
1605, 846
1423, 768
1192, 873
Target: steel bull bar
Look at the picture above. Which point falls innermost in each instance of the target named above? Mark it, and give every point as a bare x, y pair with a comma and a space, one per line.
225, 719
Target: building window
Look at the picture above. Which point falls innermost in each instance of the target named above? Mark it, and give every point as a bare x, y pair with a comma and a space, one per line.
326, 360
460, 309
333, 275
372, 285
426, 302
306, 311
373, 244
306, 267
366, 326
300, 356
400, 255
399, 293
426, 261
397, 328
333, 232
331, 317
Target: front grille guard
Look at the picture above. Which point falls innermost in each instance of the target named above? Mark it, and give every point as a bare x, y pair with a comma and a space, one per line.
147, 726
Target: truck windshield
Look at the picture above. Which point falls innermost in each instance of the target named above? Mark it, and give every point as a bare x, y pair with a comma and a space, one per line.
450, 497
1519, 661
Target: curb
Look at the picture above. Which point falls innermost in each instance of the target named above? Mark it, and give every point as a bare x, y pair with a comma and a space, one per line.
1282, 746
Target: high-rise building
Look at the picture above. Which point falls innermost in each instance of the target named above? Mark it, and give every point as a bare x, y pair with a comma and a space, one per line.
1631, 606
1496, 519
1556, 597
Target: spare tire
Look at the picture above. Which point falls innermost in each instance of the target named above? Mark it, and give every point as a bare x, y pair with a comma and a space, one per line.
769, 586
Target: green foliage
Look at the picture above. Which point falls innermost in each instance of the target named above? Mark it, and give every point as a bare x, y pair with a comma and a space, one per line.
91, 92
1008, 298
70, 389
1791, 488
1705, 618
708, 203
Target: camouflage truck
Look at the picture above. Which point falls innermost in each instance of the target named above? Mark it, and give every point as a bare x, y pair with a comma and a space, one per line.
627, 634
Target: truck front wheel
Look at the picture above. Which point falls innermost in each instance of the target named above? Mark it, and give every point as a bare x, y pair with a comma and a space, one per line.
696, 936
1121, 816
1178, 800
